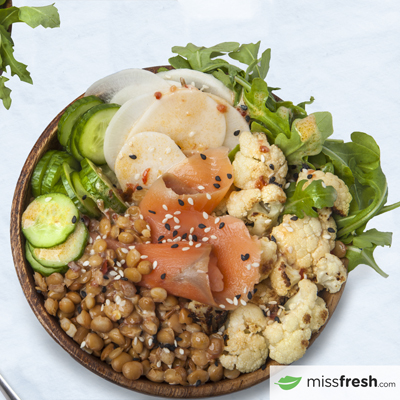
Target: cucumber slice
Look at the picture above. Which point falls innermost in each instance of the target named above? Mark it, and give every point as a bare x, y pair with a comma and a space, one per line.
54, 169
38, 173
74, 196
71, 147
59, 188
71, 114
100, 187
36, 266
71, 250
110, 174
85, 196
49, 220
90, 131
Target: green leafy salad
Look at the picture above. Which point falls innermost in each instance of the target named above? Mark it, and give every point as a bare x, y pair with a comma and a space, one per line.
46, 16
287, 125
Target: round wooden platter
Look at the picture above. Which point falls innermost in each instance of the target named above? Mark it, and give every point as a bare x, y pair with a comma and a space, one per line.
48, 140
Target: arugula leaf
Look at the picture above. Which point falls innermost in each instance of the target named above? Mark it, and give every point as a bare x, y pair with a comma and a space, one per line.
302, 202
46, 16
8, 16
5, 93
233, 152
2, 2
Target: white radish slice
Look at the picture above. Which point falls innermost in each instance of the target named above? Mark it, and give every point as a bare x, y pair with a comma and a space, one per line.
234, 123
143, 158
140, 89
202, 81
121, 125
188, 116
107, 87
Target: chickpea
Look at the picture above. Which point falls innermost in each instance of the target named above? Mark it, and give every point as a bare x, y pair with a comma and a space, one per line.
186, 339
74, 297
85, 277
144, 354
75, 286
123, 222
132, 258
114, 231
182, 354
127, 288
146, 366
104, 226
62, 315
173, 323
114, 354
90, 301
193, 328
80, 334
121, 255
167, 356
106, 351
215, 372
340, 249
231, 374
116, 336
84, 319
66, 305
71, 274
99, 246
171, 301
101, 324
199, 357
145, 267
155, 375
94, 342
133, 275
184, 317
95, 261
198, 375
126, 237
200, 340
96, 311
147, 304
140, 225
132, 370
55, 279
55, 296
149, 327
131, 331
178, 362
51, 306
175, 376
158, 294
216, 347
137, 346
133, 318
166, 336
118, 362
134, 211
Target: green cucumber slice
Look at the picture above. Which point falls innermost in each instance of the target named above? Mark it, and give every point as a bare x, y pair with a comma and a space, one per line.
71, 114
36, 266
85, 196
59, 188
38, 173
71, 147
71, 250
74, 196
49, 220
100, 187
110, 174
54, 169
90, 131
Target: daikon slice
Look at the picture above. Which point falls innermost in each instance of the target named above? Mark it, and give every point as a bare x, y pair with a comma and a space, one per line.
106, 88
234, 123
202, 81
191, 118
138, 90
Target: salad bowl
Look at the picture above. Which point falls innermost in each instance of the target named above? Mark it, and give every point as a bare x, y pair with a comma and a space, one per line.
22, 196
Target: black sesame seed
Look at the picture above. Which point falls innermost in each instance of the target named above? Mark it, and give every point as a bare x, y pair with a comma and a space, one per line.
309, 176
163, 276
295, 176
243, 107
83, 294
79, 308
139, 188
245, 257
305, 166
184, 236
174, 246
38, 291
167, 227
263, 367
249, 296
152, 212
104, 289
250, 224
74, 219
114, 185
174, 233
133, 157
170, 347
83, 220
105, 277
236, 133
247, 118
229, 176
255, 290
136, 359
294, 218
181, 202
264, 312
198, 383
203, 157
272, 166
273, 239
238, 296
124, 279
221, 225
331, 230
160, 238
194, 237
84, 197
315, 209
277, 319
218, 179
216, 363
217, 185
272, 179
178, 339
202, 226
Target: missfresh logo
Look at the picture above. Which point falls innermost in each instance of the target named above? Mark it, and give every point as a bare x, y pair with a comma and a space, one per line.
288, 382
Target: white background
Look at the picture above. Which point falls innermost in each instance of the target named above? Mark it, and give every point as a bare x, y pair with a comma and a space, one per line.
346, 54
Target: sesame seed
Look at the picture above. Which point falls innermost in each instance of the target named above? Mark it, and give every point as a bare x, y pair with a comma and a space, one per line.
150, 343
203, 157
177, 239
191, 243
181, 351
139, 188
205, 215
207, 230
221, 306
273, 239
243, 302
177, 226
194, 238
323, 184
117, 278
200, 187
229, 301
282, 208
235, 301
137, 177
168, 150
262, 158
164, 220
229, 176
168, 216
83, 344
167, 227
294, 218
287, 185
213, 237
155, 263
197, 245
221, 225
290, 249
135, 341
176, 220
83, 270
174, 233
121, 272
205, 239
245, 257
186, 249
126, 251
86, 263
218, 178
132, 247
133, 157
245, 290
272, 302
289, 229
272, 179
305, 276
326, 237
163, 276
151, 149
236, 133
249, 296
191, 230
181, 202
309, 176
104, 236
166, 350
216, 220
191, 134
271, 166
217, 185
165, 207
143, 257
118, 264
174, 246
331, 230
208, 195
141, 339
160, 238
164, 241
90, 240
248, 267
73, 219
190, 201
255, 265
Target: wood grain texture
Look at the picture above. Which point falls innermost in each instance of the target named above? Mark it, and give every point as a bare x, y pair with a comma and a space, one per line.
48, 140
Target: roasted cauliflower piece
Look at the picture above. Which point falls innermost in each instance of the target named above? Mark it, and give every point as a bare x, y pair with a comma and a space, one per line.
257, 163
209, 318
343, 200
264, 294
330, 273
268, 257
247, 347
283, 277
240, 203
304, 314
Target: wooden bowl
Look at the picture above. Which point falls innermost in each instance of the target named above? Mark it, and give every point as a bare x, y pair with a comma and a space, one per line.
48, 140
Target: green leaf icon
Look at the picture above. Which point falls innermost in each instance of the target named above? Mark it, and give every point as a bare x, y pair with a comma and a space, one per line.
288, 382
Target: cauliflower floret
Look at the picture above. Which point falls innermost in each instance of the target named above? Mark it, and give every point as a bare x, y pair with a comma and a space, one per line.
268, 257
319, 315
343, 200
257, 163
247, 348
289, 338
330, 273
264, 294
240, 203
283, 277
303, 241
210, 318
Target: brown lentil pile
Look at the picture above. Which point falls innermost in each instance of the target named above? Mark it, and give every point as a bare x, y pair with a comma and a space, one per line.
138, 331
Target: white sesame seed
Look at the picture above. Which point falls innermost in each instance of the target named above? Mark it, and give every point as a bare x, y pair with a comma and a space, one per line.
155, 264
83, 270
168, 150
272, 302
140, 216
104, 236
169, 240
177, 212
92, 252
201, 272
108, 302
200, 187
235, 301
86, 263
217, 220
289, 228
197, 245
126, 251
206, 230
150, 341
143, 257
205, 239
168, 216
98, 237
229, 301
165, 220
245, 290
208, 195
151, 149
185, 248
177, 239
268, 313
137, 177
191, 134
166, 350
205, 215
326, 237
305, 276
282, 208
290, 249
102, 307
47, 199
221, 306
191, 230
164, 241
243, 302
190, 243
83, 344
165, 207
181, 351
118, 277
177, 226
255, 265
190, 201
117, 299
141, 339
248, 267
213, 237
118, 264
132, 247
121, 272
175, 343
176, 220
90, 240
287, 185
135, 341
323, 184
279, 312
262, 158
270, 322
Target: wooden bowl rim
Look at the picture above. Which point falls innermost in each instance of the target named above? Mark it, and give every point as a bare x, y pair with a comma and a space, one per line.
94, 364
